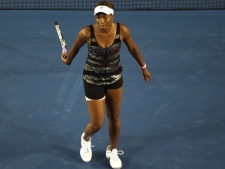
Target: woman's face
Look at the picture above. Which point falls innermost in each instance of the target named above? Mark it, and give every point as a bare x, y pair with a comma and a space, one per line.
103, 20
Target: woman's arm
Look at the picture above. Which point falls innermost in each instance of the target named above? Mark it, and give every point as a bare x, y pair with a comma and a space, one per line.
135, 52
82, 37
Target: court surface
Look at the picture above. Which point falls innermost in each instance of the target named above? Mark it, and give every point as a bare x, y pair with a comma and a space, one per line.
176, 121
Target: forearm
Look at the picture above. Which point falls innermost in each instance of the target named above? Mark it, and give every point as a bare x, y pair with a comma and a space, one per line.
137, 55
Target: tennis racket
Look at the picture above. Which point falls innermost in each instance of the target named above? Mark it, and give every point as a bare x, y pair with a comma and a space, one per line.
61, 38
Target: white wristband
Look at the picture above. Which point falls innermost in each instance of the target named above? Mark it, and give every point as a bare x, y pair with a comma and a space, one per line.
143, 67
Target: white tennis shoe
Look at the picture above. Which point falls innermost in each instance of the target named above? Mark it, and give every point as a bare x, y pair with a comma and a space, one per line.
114, 160
85, 150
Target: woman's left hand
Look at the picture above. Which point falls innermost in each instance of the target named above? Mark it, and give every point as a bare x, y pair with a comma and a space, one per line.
146, 74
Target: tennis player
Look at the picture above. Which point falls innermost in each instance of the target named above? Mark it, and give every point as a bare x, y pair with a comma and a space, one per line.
102, 76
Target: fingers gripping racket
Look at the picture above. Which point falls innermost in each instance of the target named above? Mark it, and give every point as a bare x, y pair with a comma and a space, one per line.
61, 38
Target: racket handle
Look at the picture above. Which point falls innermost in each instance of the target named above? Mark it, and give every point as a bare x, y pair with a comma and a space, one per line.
64, 50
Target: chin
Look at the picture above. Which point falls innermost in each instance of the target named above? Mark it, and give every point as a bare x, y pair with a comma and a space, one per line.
102, 26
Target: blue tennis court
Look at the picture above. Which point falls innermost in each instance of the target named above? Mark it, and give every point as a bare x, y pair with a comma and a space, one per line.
176, 121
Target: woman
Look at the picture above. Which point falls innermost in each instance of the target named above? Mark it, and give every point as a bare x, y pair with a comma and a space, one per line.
102, 76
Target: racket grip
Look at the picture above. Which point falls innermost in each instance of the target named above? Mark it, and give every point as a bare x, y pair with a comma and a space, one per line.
64, 49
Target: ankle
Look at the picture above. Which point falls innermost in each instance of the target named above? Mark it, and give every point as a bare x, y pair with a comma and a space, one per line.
114, 150
85, 138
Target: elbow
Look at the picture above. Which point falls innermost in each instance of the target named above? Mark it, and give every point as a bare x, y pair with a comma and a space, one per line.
131, 50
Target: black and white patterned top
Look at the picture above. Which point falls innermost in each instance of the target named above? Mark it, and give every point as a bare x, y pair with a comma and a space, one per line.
103, 65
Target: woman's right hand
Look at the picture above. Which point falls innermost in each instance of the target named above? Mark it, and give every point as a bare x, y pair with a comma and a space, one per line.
64, 57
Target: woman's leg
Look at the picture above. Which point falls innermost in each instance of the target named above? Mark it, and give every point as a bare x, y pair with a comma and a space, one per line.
96, 112
95, 97
113, 102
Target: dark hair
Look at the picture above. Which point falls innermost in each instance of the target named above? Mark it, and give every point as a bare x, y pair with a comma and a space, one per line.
105, 3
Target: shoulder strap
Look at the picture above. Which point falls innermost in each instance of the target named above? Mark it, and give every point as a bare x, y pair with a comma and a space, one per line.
118, 33
118, 28
92, 31
93, 40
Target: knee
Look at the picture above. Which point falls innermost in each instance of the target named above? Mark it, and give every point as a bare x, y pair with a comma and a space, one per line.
114, 118
96, 126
